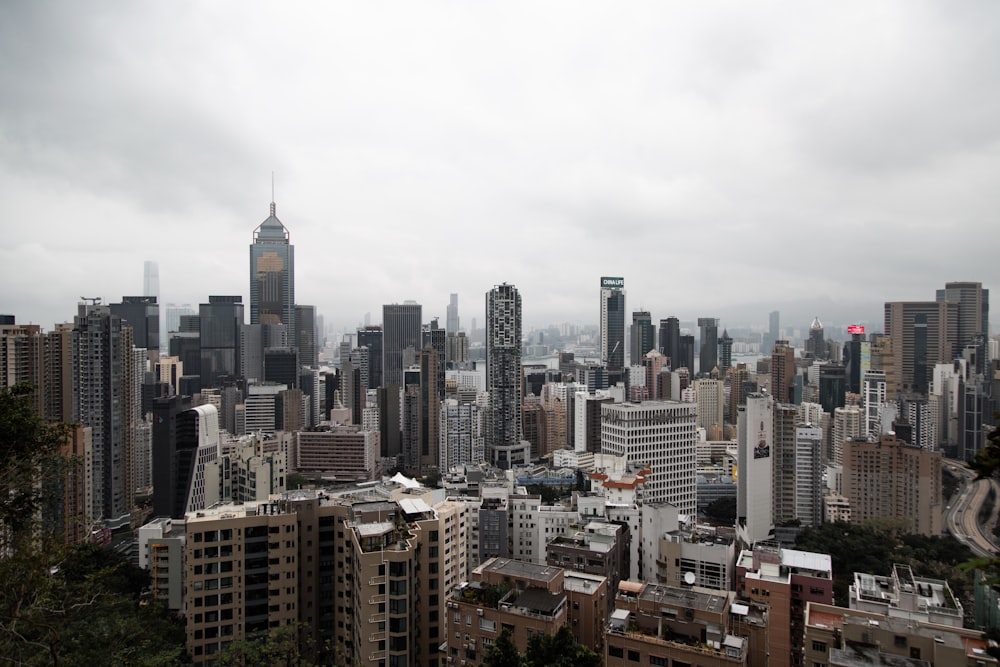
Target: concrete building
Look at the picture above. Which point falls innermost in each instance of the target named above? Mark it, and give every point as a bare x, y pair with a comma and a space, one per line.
782, 372
662, 435
921, 338
643, 338
161, 553
344, 453
785, 581
711, 397
401, 330
272, 275
462, 439
503, 369
613, 323
892, 479
708, 354
666, 625
905, 596
755, 440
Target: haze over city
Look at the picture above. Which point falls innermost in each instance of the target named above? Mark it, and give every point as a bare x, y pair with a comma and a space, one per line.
727, 160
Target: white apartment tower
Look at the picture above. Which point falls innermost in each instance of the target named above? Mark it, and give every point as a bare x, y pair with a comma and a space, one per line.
755, 441
661, 434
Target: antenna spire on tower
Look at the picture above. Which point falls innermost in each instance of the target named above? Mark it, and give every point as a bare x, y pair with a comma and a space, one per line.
273, 206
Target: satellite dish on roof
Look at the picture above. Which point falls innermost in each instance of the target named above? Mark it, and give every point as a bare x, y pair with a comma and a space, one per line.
689, 578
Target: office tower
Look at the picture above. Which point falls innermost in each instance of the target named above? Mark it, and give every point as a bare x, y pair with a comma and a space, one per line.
857, 358
143, 315
643, 336
451, 323
371, 337
390, 442
281, 366
654, 363
272, 275
832, 387
890, 478
662, 434
739, 389
220, 321
613, 323
400, 330
725, 353
816, 345
685, 354
306, 338
503, 365
173, 316
670, 339
104, 399
783, 372
261, 405
151, 287
773, 333
430, 407
711, 397
754, 437
461, 441
809, 475
969, 323
920, 339
185, 442
435, 338
251, 352
588, 420
708, 356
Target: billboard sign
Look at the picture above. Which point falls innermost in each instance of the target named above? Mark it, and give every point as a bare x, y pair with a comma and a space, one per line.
612, 282
856, 329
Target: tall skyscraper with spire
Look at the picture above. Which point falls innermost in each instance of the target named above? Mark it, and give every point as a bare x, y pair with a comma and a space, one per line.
272, 275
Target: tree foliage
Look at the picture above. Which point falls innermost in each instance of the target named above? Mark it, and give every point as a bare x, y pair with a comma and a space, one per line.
27, 444
558, 650
82, 605
875, 548
503, 653
722, 511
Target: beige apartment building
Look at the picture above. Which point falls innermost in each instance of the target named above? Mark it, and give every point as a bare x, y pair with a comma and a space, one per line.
892, 479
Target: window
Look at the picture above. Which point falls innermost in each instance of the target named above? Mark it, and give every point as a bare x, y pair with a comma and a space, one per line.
657, 661
633, 655
616, 651
819, 647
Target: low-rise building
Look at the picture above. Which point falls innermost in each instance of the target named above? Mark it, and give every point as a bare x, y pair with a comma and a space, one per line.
904, 595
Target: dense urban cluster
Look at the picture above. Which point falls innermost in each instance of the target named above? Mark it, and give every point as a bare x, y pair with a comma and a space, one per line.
413, 493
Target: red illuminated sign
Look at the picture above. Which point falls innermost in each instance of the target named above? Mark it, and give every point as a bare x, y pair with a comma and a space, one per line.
856, 329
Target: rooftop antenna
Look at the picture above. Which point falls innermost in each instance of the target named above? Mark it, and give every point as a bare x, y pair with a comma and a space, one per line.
273, 207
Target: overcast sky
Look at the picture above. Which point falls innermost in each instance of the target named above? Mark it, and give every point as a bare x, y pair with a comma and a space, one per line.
713, 154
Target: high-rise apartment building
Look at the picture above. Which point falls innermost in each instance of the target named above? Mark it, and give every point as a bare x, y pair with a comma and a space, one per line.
272, 275
783, 372
711, 398
613, 323
662, 434
708, 354
104, 399
400, 330
809, 475
503, 365
461, 440
892, 479
755, 440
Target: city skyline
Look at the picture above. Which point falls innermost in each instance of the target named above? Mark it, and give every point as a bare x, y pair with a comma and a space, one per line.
671, 145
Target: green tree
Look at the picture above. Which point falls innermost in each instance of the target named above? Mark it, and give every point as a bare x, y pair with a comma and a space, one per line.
722, 511
503, 653
559, 650
26, 445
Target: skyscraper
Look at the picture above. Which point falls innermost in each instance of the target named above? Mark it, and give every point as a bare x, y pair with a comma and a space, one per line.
969, 323
708, 356
670, 337
643, 336
613, 323
401, 330
503, 365
755, 438
816, 345
272, 275
151, 287
451, 320
725, 352
220, 321
921, 338
104, 399
306, 339
142, 314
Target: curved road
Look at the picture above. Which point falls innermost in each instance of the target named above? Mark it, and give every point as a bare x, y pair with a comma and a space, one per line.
961, 519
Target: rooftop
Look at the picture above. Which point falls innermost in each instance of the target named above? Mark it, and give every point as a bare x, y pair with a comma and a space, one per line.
520, 568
